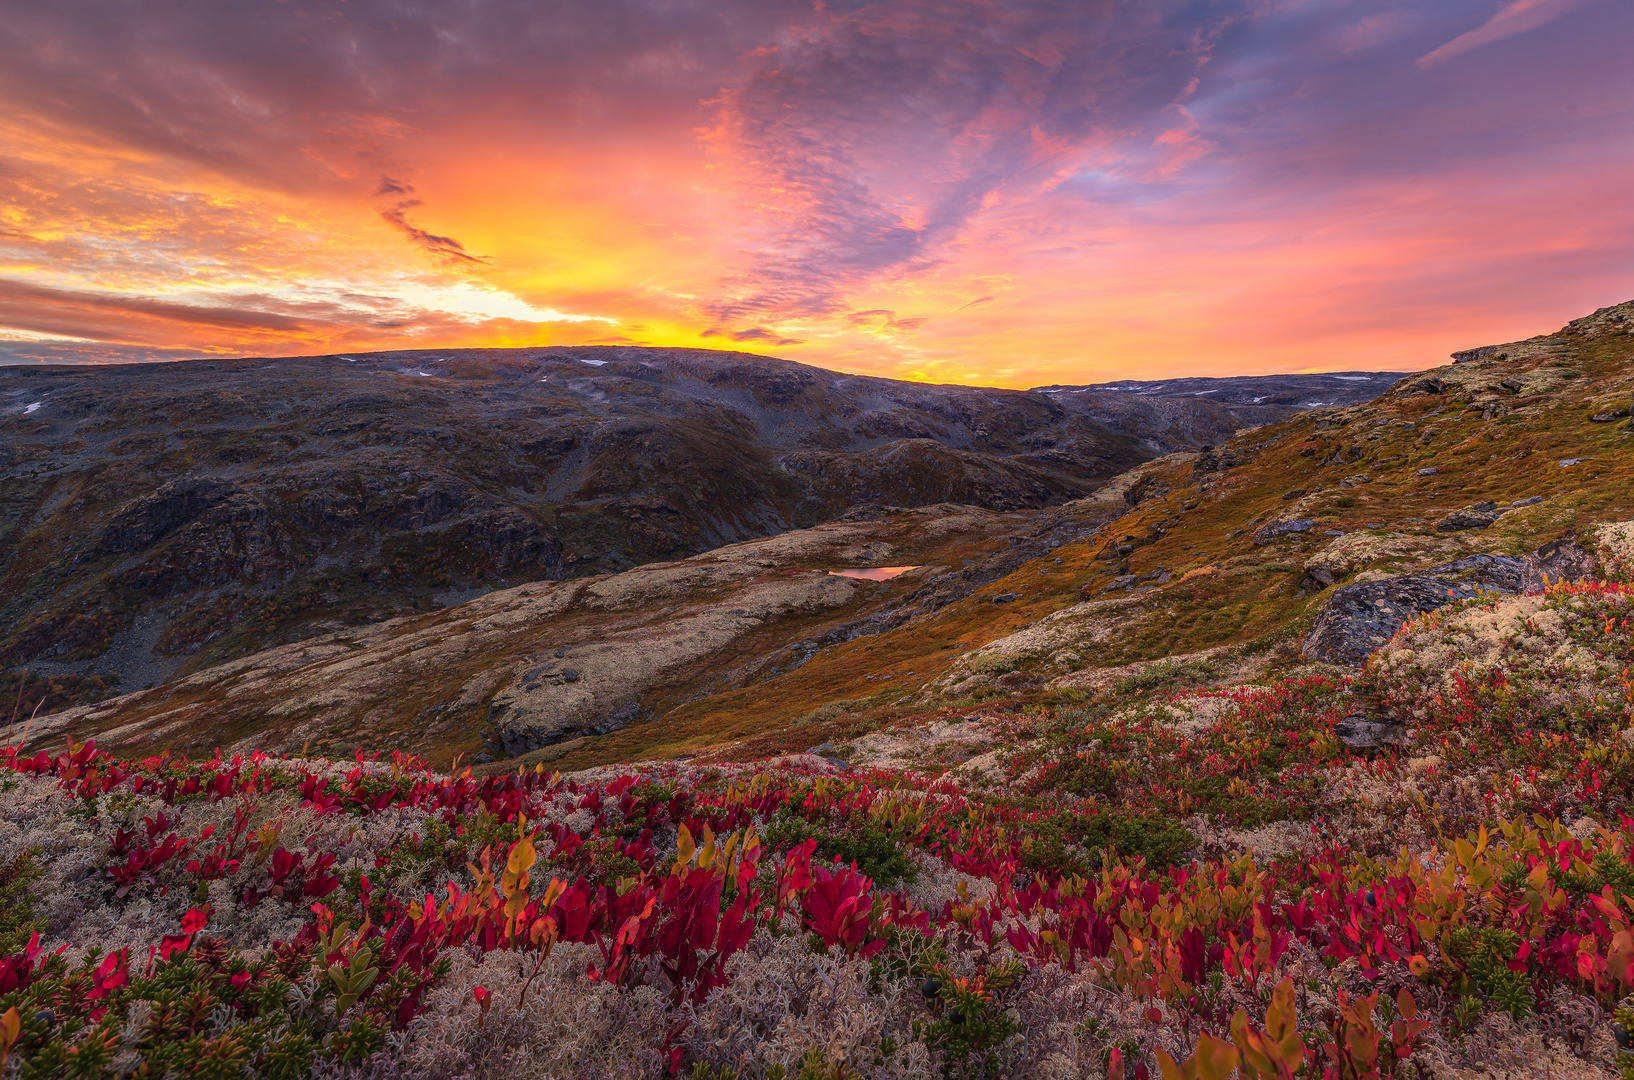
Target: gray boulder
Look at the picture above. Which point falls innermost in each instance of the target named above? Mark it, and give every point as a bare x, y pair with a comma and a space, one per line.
1283, 528
1360, 731
1363, 616
1559, 560
1468, 518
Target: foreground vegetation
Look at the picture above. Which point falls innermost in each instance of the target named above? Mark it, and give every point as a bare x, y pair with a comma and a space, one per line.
1148, 883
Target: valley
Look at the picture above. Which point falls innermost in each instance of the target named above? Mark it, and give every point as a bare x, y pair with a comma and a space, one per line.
158, 519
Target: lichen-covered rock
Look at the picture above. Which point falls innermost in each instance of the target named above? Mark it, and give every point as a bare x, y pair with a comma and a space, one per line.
1467, 518
1283, 528
1363, 616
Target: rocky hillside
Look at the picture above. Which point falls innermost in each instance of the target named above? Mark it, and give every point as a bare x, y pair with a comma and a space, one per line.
1323, 390
1307, 754
156, 519
1301, 542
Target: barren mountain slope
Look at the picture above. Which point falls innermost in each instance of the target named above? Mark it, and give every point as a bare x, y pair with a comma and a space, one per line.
1223, 558
546, 664
1328, 389
155, 519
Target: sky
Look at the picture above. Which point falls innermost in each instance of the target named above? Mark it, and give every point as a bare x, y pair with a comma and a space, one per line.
1002, 192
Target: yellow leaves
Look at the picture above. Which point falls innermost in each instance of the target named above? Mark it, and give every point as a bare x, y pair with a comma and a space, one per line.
1466, 853
517, 865
266, 841
514, 883
1419, 965
1215, 1059
11, 1029
685, 848
1278, 1052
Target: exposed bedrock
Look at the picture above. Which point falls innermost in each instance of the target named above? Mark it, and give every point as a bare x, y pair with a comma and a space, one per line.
1361, 617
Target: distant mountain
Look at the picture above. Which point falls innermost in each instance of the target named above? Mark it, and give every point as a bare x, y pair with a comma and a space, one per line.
159, 518
1336, 388
1307, 539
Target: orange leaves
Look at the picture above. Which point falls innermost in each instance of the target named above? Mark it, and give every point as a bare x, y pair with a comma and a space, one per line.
1277, 1052
513, 882
1214, 1059
11, 1028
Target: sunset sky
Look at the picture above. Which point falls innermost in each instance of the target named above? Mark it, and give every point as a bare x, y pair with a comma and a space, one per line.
1009, 192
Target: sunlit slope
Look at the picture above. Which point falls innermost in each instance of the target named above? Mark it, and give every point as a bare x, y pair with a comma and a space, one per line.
1546, 418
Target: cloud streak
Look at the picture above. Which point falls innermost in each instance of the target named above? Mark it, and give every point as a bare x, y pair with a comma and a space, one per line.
444, 249
1515, 17
1022, 191
882, 131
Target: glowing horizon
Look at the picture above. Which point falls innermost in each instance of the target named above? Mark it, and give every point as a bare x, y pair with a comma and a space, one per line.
978, 191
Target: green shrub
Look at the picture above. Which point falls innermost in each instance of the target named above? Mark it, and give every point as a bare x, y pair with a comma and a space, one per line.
866, 842
1169, 675
992, 663
822, 714
972, 1017
17, 921
1050, 845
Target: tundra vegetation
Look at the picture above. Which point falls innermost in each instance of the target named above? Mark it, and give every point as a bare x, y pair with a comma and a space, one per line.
1110, 817
1158, 880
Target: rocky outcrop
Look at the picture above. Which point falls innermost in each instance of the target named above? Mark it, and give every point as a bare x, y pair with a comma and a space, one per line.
1283, 528
1478, 516
1361, 617
144, 521
543, 664
1560, 560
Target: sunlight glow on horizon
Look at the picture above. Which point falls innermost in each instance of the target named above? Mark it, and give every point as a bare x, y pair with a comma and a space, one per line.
931, 190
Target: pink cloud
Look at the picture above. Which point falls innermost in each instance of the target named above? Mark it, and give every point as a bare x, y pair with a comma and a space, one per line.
1515, 17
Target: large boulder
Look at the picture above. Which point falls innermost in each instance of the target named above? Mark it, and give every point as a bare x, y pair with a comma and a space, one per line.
1363, 616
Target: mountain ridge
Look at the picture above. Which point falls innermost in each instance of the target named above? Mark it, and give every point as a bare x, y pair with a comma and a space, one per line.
157, 519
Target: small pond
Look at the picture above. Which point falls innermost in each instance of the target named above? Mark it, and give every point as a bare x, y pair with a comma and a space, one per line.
874, 573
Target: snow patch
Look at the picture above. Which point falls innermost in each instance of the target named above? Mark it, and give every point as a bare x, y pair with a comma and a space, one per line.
593, 363
32, 407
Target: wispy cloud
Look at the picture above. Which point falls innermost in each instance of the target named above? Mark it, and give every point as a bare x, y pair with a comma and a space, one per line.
445, 249
1031, 191
1515, 17
864, 144
757, 333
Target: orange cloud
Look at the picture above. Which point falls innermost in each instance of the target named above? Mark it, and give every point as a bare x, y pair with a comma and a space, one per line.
995, 191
